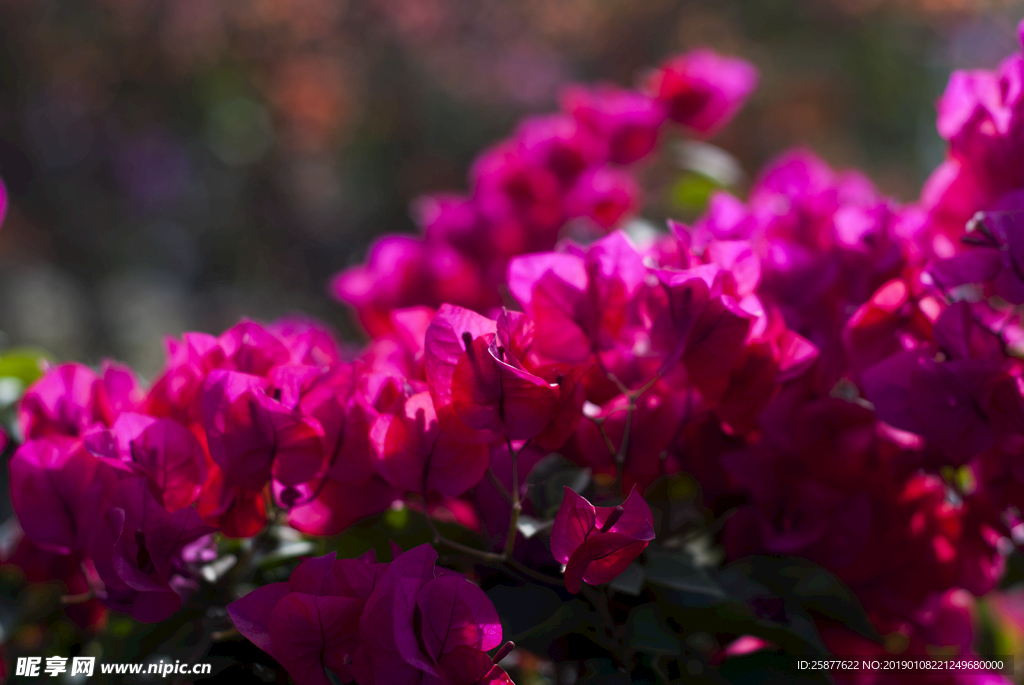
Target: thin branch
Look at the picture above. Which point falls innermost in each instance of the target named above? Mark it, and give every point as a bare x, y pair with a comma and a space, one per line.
496, 482
535, 575
513, 526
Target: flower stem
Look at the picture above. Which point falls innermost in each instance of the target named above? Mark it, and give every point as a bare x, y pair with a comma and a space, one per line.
513, 526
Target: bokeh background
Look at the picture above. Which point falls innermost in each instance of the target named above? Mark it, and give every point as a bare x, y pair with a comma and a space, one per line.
177, 164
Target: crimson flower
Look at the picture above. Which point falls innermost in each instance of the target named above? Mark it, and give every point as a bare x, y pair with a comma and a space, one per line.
596, 544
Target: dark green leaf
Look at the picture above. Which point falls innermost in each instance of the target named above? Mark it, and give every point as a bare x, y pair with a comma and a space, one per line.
647, 631
548, 480
630, 581
677, 571
810, 587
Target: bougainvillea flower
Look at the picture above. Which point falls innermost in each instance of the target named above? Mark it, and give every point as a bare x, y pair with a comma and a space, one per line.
702, 89
606, 195
311, 621
174, 391
629, 121
309, 341
444, 347
958, 405
394, 272
889, 322
981, 114
416, 454
492, 390
166, 452
596, 544
70, 398
997, 255
136, 550
422, 621
559, 144
58, 490
512, 191
237, 511
252, 436
578, 299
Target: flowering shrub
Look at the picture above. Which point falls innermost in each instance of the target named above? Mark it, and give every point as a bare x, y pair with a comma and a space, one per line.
801, 420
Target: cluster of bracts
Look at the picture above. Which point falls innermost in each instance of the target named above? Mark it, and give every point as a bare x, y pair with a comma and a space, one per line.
846, 368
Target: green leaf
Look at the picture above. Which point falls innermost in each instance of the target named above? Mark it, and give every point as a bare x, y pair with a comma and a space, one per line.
647, 631
810, 587
691, 191
23, 363
676, 570
570, 617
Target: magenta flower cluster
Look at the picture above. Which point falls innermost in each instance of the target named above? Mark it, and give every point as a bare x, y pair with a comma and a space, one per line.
407, 621
569, 167
847, 368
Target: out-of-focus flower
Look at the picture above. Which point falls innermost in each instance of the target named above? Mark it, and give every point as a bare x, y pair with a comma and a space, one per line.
702, 89
137, 548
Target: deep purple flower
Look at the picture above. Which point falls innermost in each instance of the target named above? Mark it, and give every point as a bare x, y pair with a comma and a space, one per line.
960, 406
404, 622
995, 255
596, 544
312, 620
58, 490
426, 624
137, 547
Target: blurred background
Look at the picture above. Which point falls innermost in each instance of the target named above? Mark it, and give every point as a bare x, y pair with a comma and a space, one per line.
177, 164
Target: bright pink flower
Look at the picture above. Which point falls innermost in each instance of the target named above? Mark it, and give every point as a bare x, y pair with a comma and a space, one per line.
444, 347
981, 114
166, 452
561, 145
402, 271
137, 550
309, 341
347, 407
629, 121
702, 89
579, 298
596, 544
253, 437
71, 398
492, 389
606, 195
58, 490
417, 455
516, 194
